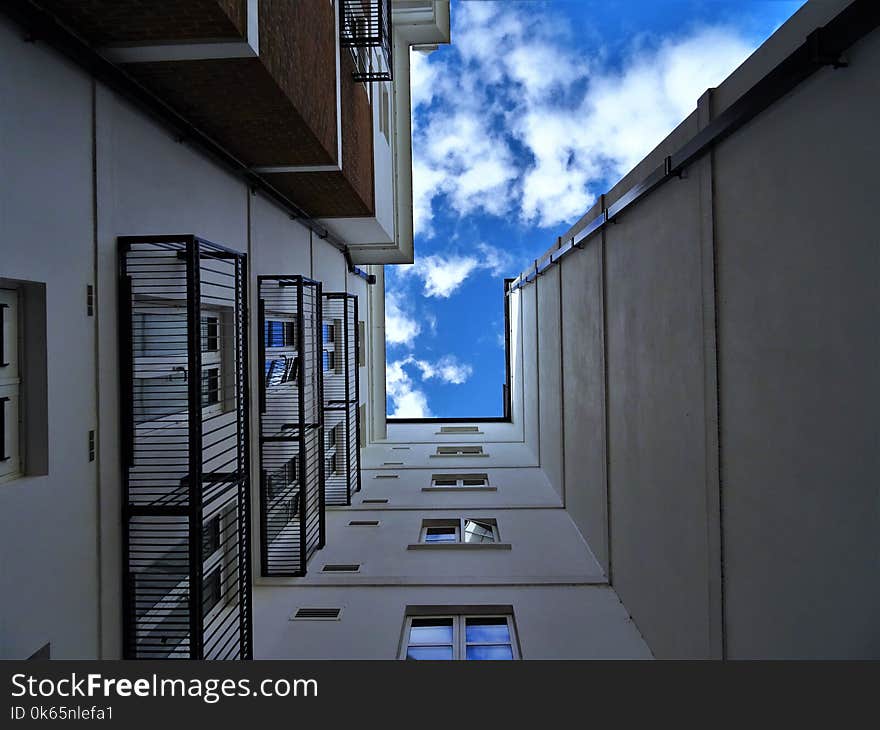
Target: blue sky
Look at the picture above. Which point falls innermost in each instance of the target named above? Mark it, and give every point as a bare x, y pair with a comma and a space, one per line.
534, 110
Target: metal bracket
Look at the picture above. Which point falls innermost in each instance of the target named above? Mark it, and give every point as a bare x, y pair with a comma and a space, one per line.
819, 55
3, 363
3, 456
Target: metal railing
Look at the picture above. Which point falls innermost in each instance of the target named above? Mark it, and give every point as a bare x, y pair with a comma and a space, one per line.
342, 471
291, 424
184, 417
365, 28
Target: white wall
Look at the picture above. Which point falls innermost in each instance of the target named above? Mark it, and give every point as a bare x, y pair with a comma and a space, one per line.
59, 225
800, 382
560, 622
545, 547
48, 524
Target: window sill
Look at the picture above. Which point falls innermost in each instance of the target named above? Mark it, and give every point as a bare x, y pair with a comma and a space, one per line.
459, 489
459, 546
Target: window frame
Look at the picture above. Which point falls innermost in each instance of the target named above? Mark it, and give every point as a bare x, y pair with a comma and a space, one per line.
459, 634
12, 386
459, 525
458, 481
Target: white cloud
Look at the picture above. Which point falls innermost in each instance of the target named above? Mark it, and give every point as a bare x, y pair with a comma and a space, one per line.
442, 274
581, 123
400, 327
447, 369
408, 400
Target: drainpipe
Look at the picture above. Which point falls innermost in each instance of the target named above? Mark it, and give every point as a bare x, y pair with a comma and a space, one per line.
376, 428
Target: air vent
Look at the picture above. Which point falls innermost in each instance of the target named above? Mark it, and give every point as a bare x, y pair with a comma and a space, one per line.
374, 501
392, 463
385, 476
341, 568
317, 614
459, 429
364, 523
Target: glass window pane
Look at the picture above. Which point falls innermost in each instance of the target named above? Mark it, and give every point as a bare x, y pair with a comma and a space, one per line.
489, 652
431, 631
475, 531
487, 630
429, 652
440, 534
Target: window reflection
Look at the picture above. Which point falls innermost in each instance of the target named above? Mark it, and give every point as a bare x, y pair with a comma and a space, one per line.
431, 631
478, 532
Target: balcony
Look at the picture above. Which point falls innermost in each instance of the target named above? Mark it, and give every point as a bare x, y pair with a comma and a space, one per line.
365, 28
183, 373
291, 448
265, 80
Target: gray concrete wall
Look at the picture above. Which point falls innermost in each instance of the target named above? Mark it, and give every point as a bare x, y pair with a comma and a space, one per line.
49, 576
655, 426
583, 365
550, 378
799, 266
741, 358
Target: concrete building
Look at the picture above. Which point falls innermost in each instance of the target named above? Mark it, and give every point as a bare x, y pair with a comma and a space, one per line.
196, 461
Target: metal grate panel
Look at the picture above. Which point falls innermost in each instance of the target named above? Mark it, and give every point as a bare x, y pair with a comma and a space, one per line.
291, 424
365, 27
183, 372
342, 470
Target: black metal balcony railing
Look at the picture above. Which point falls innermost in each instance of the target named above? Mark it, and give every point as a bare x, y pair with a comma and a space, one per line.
342, 474
183, 374
291, 424
365, 28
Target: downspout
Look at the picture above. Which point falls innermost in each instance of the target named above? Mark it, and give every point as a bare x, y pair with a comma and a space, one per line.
377, 427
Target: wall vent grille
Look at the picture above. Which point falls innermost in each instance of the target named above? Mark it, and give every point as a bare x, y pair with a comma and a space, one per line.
341, 568
317, 614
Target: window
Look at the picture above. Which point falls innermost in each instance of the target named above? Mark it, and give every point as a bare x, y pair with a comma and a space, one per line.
212, 362
10, 385
210, 334
329, 360
441, 533
385, 111
211, 590
210, 387
280, 333
281, 481
159, 337
459, 451
460, 637
218, 564
330, 467
460, 481
329, 332
211, 537
468, 531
